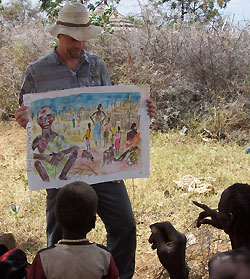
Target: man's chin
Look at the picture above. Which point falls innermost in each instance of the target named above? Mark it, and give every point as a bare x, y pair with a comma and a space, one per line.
75, 54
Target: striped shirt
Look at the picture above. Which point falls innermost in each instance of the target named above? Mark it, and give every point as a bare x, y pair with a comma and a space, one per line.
50, 73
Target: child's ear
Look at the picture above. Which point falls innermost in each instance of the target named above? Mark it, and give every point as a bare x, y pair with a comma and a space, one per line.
229, 222
93, 222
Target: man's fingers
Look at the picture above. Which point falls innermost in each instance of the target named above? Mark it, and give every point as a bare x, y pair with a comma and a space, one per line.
151, 108
21, 116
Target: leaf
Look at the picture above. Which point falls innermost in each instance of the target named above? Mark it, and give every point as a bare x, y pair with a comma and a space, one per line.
14, 209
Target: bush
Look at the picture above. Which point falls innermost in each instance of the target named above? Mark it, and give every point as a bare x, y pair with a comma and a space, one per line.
199, 75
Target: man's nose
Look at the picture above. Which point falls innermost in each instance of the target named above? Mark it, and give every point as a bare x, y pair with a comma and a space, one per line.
80, 44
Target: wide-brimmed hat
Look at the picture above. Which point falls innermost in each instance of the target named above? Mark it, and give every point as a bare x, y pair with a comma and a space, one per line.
73, 20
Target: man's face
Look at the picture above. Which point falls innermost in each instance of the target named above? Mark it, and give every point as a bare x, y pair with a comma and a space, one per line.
70, 46
45, 118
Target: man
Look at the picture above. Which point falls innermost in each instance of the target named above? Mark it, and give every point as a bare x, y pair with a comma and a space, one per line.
69, 66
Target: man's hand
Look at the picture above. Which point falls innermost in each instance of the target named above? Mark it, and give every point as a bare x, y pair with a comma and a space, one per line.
151, 108
207, 212
171, 246
21, 116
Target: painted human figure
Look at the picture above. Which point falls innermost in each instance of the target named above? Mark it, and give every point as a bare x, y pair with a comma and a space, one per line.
78, 120
108, 155
131, 134
97, 118
73, 121
106, 132
133, 156
87, 136
45, 144
118, 140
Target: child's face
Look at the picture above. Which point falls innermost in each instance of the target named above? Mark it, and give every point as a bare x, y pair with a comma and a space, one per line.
224, 217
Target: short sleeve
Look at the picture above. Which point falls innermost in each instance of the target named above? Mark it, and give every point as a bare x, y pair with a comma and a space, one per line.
36, 269
28, 85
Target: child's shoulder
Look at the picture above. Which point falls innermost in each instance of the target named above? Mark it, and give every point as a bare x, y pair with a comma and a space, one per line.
44, 250
230, 264
102, 247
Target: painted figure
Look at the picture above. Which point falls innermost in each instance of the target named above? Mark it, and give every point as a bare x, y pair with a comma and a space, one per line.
52, 147
97, 118
133, 155
78, 120
132, 136
108, 155
87, 136
106, 132
73, 121
118, 140
86, 154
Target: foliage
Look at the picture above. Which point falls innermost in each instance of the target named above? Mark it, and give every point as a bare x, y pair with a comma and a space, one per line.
199, 74
52, 8
16, 12
195, 72
189, 10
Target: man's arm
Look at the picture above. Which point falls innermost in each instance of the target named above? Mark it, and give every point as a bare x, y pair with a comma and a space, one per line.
171, 247
27, 87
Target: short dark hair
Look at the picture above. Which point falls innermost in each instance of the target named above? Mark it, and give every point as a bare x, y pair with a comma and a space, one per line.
238, 204
76, 205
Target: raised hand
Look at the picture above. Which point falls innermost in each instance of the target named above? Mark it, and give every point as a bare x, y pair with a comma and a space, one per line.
208, 212
151, 108
171, 246
21, 116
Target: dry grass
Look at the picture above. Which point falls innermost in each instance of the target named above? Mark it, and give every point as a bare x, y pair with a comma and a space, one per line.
154, 199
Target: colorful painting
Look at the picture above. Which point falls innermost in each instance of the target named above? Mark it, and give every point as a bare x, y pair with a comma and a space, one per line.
91, 134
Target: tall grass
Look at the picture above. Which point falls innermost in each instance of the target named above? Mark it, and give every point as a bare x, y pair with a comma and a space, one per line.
154, 199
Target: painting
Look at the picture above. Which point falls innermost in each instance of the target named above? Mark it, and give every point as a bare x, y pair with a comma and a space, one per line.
90, 134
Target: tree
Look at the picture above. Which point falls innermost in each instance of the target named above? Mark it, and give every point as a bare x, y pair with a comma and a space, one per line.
52, 8
18, 11
192, 10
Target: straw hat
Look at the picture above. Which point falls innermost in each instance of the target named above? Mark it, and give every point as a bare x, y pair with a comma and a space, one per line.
73, 20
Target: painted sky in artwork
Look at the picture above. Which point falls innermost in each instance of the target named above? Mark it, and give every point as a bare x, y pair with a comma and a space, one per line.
88, 100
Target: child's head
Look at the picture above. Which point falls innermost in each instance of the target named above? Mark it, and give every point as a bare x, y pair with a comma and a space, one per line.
235, 206
89, 125
133, 126
76, 206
